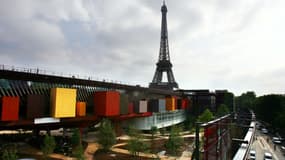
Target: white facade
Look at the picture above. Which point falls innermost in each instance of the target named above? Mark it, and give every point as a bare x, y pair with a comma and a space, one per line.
160, 120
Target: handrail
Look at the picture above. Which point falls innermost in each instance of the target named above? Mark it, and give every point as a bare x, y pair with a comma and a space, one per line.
52, 73
244, 149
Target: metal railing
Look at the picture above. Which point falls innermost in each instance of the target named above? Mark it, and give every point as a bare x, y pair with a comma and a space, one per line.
61, 74
245, 146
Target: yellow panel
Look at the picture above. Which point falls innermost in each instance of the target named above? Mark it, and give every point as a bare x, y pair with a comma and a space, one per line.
63, 102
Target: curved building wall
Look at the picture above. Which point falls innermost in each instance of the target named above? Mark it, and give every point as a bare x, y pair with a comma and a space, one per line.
160, 120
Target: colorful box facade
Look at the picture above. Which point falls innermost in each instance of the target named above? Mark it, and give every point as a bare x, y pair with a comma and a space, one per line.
131, 108
107, 103
124, 102
184, 103
63, 102
140, 106
80, 109
143, 106
171, 103
37, 106
10, 108
162, 105
156, 105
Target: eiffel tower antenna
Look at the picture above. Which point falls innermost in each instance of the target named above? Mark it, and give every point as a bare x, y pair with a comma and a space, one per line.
163, 64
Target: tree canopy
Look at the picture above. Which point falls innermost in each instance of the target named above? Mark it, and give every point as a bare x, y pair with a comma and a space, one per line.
175, 140
48, 146
206, 116
268, 108
246, 100
271, 109
136, 144
222, 110
106, 135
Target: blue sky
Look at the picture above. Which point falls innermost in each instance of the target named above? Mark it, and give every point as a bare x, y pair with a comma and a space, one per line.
214, 44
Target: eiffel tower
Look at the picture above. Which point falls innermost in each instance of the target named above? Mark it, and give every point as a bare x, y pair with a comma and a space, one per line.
163, 64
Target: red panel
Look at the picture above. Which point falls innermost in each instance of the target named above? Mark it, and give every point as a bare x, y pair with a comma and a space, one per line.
184, 103
133, 115
107, 103
100, 103
113, 103
131, 108
10, 108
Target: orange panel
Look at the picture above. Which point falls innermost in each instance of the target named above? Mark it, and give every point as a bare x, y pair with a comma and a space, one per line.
107, 103
10, 108
170, 103
80, 108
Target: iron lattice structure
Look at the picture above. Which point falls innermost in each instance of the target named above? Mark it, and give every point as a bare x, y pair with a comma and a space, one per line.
163, 64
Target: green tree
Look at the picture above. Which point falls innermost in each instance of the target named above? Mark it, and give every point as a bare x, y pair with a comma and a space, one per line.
79, 152
206, 116
222, 110
75, 138
174, 141
270, 108
246, 100
229, 100
153, 131
106, 135
189, 122
136, 144
10, 153
162, 131
48, 146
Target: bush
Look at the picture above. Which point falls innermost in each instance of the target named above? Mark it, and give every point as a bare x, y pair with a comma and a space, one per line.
79, 153
106, 136
175, 141
48, 146
9, 154
206, 116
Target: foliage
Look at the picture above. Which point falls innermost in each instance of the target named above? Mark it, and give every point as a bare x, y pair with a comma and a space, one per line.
106, 135
75, 138
136, 144
222, 110
189, 122
175, 141
229, 100
271, 109
48, 146
162, 131
206, 116
153, 131
268, 108
79, 152
10, 154
132, 132
246, 100
195, 109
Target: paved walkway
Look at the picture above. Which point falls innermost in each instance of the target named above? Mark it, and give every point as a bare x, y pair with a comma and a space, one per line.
93, 146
